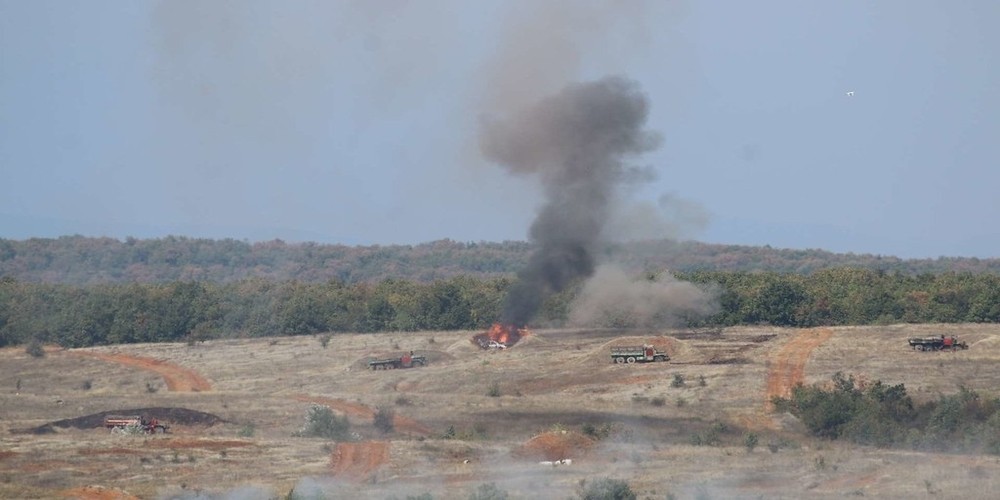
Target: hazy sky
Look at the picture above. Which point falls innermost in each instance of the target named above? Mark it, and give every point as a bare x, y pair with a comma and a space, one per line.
356, 122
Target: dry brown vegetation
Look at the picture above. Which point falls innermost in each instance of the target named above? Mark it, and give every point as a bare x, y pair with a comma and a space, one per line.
473, 416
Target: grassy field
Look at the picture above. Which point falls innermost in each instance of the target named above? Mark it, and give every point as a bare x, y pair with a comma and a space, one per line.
473, 417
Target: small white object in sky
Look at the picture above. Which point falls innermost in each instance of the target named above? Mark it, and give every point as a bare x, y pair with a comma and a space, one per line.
850, 93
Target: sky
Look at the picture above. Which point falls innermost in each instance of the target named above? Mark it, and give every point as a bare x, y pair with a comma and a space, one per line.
359, 122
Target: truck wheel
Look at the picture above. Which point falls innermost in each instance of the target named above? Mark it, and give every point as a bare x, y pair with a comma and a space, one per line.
630, 360
619, 360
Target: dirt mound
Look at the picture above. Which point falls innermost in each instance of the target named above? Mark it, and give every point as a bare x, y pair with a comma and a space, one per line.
96, 492
169, 416
670, 345
555, 445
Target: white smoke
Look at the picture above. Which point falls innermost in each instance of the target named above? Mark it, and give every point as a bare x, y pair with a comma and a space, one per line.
613, 298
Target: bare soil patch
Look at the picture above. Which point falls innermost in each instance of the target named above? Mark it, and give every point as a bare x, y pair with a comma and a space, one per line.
555, 445
96, 492
357, 461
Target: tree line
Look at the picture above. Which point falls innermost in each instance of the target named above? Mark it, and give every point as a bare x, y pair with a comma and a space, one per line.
112, 313
84, 260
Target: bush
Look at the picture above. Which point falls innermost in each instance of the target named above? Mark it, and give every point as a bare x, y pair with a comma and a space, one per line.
494, 390
35, 349
608, 489
597, 432
325, 339
750, 441
489, 491
678, 380
384, 419
881, 415
321, 422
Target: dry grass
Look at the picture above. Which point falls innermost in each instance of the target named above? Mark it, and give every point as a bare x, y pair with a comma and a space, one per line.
451, 436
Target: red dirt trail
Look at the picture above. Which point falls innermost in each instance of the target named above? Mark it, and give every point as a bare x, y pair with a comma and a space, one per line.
177, 378
788, 365
787, 369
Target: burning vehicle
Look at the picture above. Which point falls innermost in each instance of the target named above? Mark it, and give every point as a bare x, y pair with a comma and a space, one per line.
500, 336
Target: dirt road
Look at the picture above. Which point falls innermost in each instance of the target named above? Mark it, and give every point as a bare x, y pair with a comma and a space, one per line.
788, 365
177, 378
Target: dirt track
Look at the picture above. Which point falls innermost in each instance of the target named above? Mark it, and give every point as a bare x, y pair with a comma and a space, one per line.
789, 363
177, 378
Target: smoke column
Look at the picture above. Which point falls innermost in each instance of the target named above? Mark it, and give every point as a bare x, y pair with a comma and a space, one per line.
578, 144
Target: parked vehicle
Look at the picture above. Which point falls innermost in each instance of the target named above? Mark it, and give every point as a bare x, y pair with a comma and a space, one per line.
937, 343
404, 361
150, 426
637, 353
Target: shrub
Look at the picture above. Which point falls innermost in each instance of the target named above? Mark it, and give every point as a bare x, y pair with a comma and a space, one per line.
711, 437
750, 441
608, 489
489, 491
597, 432
678, 380
325, 339
246, 431
35, 349
494, 390
384, 419
449, 433
321, 422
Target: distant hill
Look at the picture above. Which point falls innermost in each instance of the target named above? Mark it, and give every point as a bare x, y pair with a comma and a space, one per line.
86, 260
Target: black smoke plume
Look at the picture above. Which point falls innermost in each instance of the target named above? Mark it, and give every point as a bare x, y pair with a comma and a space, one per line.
578, 143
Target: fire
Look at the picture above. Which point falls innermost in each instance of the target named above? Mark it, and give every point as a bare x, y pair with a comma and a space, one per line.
505, 334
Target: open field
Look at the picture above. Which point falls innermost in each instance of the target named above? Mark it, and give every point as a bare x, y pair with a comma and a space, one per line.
507, 412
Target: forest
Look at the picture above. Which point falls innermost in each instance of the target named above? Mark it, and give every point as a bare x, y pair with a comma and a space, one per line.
83, 260
191, 311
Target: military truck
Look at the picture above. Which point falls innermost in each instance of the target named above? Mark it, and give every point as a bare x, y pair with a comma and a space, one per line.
637, 353
149, 426
936, 343
404, 361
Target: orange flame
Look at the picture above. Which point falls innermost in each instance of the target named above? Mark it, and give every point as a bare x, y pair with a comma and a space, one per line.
506, 334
